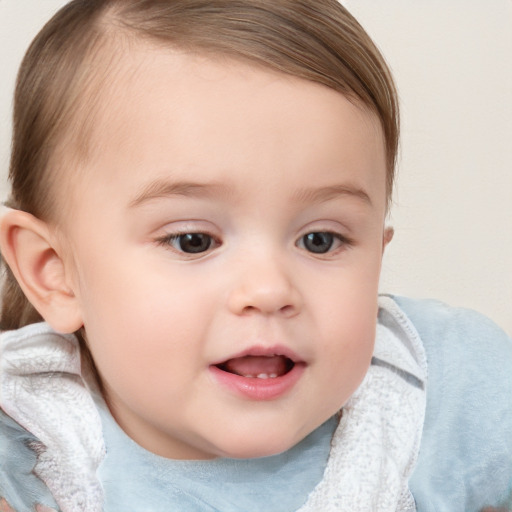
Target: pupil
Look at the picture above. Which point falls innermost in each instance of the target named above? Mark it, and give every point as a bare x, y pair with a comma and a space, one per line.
194, 242
318, 243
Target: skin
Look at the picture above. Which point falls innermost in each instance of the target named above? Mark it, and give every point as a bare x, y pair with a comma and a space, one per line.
256, 160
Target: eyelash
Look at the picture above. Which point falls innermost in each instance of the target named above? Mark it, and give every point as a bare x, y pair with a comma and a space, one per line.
171, 239
333, 237
205, 242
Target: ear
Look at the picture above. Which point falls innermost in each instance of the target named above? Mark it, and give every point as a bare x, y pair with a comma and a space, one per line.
388, 236
30, 249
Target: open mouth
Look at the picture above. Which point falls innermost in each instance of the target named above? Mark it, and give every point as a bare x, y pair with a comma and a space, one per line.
260, 374
258, 367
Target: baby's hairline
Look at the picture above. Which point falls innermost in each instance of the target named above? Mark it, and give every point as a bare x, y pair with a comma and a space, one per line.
69, 153
82, 159
115, 34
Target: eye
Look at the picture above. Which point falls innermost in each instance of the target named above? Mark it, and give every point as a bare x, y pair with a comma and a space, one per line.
190, 243
320, 242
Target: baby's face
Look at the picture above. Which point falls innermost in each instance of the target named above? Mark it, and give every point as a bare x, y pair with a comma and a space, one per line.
225, 252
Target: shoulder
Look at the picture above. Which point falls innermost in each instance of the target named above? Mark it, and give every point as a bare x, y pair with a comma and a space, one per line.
465, 351
465, 457
464, 348
19, 486
435, 319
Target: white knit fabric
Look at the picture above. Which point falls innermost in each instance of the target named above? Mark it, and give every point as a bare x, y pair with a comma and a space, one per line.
60, 412
374, 448
376, 445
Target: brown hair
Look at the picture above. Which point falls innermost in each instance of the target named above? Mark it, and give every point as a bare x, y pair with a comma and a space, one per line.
317, 40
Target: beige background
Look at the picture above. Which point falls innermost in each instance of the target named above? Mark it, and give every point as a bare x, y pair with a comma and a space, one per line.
452, 60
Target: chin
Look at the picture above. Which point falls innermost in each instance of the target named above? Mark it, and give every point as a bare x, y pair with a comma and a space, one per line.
250, 447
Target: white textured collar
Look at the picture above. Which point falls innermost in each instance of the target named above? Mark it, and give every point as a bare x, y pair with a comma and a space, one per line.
60, 412
375, 448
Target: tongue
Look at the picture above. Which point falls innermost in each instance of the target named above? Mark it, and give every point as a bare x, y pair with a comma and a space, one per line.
256, 365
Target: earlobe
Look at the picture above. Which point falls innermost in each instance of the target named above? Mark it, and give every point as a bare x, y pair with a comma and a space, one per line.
30, 251
388, 236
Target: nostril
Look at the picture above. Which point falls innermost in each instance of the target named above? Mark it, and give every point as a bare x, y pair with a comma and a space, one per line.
288, 310
248, 309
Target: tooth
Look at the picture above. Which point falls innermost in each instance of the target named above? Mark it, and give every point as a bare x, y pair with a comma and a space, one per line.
273, 375
263, 376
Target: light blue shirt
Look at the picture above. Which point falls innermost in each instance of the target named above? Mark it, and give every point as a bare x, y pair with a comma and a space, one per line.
465, 460
282, 482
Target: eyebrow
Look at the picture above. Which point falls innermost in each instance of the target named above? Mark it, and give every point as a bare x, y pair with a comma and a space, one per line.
162, 188
318, 195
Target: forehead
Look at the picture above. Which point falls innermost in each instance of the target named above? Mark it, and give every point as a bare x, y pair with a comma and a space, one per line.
167, 112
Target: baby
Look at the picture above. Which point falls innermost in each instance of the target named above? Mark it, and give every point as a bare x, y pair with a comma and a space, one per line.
193, 245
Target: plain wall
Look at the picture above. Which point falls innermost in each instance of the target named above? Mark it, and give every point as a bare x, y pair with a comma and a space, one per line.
452, 61
453, 204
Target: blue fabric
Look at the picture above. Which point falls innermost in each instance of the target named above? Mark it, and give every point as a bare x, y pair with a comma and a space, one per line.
132, 475
465, 460
18, 484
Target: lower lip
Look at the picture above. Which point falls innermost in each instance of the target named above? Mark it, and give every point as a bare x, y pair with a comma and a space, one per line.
259, 389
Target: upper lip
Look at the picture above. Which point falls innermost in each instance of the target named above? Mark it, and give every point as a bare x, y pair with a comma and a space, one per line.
262, 351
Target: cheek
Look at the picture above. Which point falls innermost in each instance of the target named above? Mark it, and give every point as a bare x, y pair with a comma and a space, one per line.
349, 337
346, 323
347, 355
136, 317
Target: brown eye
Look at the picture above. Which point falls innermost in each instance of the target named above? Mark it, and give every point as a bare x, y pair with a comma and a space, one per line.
191, 243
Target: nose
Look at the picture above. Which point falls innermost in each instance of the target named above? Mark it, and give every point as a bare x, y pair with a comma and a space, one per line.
264, 287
